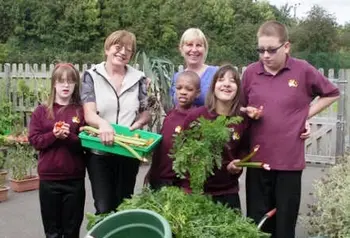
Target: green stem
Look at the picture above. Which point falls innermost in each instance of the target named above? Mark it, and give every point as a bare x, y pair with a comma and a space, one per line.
131, 150
250, 164
249, 156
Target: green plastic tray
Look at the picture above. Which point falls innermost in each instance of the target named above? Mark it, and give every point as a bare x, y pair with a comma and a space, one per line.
95, 142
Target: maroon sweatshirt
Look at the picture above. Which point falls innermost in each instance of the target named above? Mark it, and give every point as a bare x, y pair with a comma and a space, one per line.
222, 182
162, 166
58, 159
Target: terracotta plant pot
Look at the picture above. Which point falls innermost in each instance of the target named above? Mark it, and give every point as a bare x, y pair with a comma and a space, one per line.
3, 193
3, 174
30, 183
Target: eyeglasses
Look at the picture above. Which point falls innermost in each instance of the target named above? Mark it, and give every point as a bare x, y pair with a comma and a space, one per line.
120, 47
270, 50
64, 81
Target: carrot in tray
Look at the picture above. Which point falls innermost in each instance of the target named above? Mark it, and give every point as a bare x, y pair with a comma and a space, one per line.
123, 141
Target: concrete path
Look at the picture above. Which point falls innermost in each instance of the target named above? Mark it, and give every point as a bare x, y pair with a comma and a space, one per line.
20, 214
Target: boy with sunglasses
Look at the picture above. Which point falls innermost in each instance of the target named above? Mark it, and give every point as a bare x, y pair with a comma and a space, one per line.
284, 87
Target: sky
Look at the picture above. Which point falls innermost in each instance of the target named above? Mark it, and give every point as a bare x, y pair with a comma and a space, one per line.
340, 8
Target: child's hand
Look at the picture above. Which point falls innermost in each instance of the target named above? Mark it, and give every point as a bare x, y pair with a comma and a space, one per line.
232, 168
253, 112
66, 129
61, 130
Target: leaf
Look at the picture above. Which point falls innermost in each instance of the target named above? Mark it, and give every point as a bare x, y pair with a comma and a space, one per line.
197, 150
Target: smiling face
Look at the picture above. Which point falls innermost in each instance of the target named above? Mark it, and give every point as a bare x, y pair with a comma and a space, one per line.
193, 52
193, 47
118, 54
119, 47
225, 89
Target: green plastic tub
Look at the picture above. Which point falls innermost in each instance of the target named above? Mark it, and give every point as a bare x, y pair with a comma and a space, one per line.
135, 223
95, 142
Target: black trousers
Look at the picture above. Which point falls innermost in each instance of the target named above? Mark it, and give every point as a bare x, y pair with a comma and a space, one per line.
62, 207
230, 200
274, 189
112, 179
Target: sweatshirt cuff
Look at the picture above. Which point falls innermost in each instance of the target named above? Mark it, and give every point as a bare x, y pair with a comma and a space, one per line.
73, 138
50, 138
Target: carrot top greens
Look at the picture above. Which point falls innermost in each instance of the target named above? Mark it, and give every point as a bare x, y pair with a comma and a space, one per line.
197, 150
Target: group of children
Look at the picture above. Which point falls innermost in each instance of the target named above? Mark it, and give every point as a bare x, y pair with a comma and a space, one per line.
222, 99
283, 85
61, 164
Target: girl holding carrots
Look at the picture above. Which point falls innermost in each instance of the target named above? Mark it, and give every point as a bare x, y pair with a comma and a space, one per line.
53, 131
223, 99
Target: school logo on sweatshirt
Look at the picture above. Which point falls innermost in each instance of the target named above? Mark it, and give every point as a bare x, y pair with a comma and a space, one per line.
76, 119
292, 83
178, 129
235, 135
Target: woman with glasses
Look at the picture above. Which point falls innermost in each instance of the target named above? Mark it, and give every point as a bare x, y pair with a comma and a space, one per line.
194, 49
114, 92
284, 86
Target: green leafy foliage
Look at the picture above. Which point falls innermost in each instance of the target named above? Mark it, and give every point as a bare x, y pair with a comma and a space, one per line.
94, 219
329, 215
198, 149
160, 71
21, 160
193, 215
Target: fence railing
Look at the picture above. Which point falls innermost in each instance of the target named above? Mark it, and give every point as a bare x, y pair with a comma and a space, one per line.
330, 128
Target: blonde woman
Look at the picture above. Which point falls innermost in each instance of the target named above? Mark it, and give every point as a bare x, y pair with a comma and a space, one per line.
194, 49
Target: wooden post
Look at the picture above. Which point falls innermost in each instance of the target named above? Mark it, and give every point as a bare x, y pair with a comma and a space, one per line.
347, 107
340, 142
7, 67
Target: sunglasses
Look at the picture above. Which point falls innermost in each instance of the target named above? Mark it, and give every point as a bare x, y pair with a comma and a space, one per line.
270, 50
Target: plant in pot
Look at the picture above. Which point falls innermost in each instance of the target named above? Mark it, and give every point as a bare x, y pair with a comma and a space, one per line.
3, 188
21, 163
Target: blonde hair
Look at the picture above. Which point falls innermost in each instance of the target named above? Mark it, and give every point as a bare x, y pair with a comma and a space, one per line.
275, 29
72, 75
211, 99
123, 38
194, 33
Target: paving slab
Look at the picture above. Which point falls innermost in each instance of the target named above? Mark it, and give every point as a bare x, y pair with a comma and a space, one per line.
20, 214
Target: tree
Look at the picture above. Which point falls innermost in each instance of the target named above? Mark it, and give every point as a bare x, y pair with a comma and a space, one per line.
317, 33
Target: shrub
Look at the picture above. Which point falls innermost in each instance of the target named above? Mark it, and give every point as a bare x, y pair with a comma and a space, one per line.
330, 214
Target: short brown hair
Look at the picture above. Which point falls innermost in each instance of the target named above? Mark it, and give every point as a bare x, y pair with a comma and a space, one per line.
211, 100
274, 28
123, 38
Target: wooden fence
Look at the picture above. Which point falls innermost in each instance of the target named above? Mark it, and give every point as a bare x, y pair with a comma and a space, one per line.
330, 131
